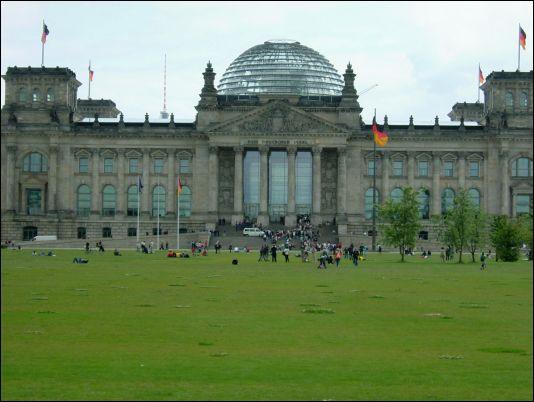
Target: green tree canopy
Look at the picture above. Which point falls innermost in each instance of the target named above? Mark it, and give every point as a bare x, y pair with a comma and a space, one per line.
400, 220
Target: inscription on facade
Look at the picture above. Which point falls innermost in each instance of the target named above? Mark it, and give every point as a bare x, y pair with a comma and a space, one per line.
277, 142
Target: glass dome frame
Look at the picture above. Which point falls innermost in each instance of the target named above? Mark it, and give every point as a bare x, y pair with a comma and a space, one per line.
281, 67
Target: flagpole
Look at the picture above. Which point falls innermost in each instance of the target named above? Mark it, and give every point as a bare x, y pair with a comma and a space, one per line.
178, 224
138, 207
374, 189
89, 95
157, 243
42, 46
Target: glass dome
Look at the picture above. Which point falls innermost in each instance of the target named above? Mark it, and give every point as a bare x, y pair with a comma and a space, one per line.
281, 67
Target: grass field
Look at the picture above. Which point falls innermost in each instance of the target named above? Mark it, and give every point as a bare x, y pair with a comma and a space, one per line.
147, 327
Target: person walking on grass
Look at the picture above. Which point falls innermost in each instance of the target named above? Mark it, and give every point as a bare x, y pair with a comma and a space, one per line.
483, 259
338, 256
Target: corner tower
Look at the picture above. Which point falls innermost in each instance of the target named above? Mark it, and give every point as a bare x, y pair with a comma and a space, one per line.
40, 95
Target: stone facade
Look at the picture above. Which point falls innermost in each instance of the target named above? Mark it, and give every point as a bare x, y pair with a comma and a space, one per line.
49, 159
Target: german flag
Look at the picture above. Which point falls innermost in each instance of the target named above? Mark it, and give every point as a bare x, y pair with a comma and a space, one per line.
45, 33
522, 38
381, 139
480, 76
179, 187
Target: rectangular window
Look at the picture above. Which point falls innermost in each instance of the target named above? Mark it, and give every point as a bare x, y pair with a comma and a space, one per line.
423, 168
133, 165
106, 232
398, 168
82, 233
448, 168
522, 204
370, 168
108, 165
158, 166
33, 202
84, 165
132, 232
185, 166
474, 169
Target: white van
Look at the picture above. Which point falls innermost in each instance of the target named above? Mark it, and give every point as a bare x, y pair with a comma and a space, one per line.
253, 232
43, 237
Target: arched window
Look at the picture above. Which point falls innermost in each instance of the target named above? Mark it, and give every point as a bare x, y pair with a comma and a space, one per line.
185, 201
132, 201
158, 201
509, 99
522, 167
84, 200
474, 196
423, 197
36, 97
23, 95
396, 195
50, 95
35, 162
109, 200
369, 202
523, 99
447, 200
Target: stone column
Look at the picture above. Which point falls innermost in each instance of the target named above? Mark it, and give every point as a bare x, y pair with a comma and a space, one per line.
411, 169
461, 169
263, 216
172, 184
8, 196
52, 179
121, 190
66, 193
238, 185
505, 183
316, 201
341, 215
96, 199
213, 181
436, 194
385, 177
291, 218
146, 200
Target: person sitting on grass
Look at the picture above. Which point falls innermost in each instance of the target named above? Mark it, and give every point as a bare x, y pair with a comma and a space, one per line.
171, 253
80, 260
116, 252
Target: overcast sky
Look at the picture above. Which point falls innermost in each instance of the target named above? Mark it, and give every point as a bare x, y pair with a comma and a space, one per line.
423, 56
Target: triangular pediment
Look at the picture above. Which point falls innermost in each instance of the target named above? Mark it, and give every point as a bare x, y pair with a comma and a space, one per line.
276, 117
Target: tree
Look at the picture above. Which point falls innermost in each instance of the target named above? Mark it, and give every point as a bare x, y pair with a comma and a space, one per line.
477, 234
400, 221
507, 237
458, 221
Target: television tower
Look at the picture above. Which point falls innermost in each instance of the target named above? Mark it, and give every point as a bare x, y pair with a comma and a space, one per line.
164, 114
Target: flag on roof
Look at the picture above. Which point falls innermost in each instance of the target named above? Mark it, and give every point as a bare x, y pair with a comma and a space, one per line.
480, 76
45, 33
91, 73
381, 139
522, 38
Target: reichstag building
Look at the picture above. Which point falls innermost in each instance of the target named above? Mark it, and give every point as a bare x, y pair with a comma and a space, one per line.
280, 137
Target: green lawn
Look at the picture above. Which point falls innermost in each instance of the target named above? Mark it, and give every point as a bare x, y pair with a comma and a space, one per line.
147, 327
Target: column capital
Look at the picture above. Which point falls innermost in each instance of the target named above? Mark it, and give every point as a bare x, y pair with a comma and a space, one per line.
264, 149
292, 150
213, 149
411, 154
342, 151
317, 149
12, 148
239, 149
503, 154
